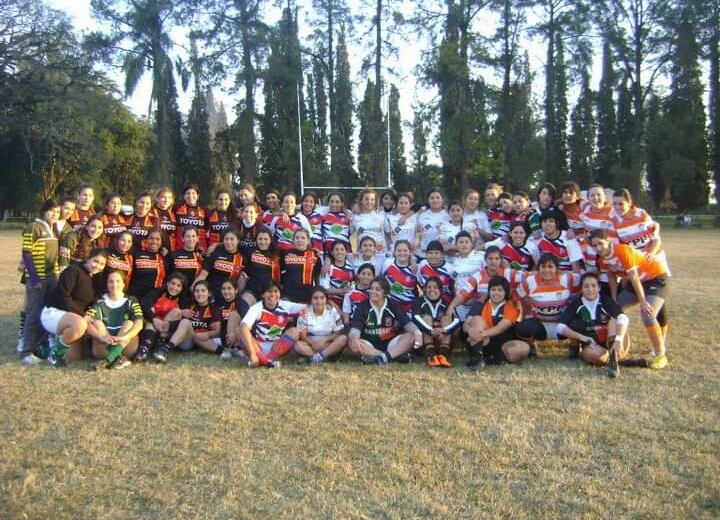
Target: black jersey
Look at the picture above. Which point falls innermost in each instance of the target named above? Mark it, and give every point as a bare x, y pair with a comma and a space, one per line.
140, 228
247, 234
218, 223
117, 261
261, 268
168, 225
203, 316
226, 308
220, 266
189, 263
593, 315
435, 310
300, 271
149, 272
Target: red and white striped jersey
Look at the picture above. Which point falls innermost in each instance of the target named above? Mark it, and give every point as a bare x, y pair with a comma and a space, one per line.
546, 299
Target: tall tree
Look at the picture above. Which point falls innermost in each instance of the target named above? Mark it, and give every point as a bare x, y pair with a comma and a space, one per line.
628, 146
657, 135
710, 36
368, 116
398, 165
607, 147
199, 153
582, 137
146, 25
685, 169
342, 129
237, 40
635, 30
566, 21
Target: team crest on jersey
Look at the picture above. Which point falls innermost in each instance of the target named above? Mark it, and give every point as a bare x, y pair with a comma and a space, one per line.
387, 321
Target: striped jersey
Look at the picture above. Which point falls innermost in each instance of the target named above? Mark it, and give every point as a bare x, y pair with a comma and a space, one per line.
567, 250
284, 230
353, 298
338, 277
113, 225
40, 241
335, 226
499, 222
218, 223
148, 272
80, 217
300, 271
189, 263
573, 215
426, 270
546, 299
403, 284
203, 316
316, 236
196, 216
623, 259
476, 286
492, 314
168, 225
114, 313
269, 324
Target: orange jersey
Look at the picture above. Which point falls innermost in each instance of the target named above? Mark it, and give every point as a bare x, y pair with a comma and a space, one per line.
113, 225
546, 299
624, 259
573, 214
476, 286
492, 315
636, 228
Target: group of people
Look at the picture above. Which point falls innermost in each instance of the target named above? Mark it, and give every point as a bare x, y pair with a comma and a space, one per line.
384, 277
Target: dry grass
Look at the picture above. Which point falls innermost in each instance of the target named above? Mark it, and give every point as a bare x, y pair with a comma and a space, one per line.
197, 439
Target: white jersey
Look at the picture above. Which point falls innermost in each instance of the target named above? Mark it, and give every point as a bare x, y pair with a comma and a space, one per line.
396, 231
480, 219
329, 322
462, 269
371, 224
448, 231
378, 262
429, 227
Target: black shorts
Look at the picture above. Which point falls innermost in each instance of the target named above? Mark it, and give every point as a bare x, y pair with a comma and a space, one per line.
492, 352
655, 287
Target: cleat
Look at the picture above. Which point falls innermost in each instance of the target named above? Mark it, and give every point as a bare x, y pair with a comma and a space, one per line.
432, 361
634, 362
161, 354
56, 362
443, 361
613, 366
374, 360
30, 360
142, 354
102, 364
273, 363
226, 355
120, 363
658, 362
403, 358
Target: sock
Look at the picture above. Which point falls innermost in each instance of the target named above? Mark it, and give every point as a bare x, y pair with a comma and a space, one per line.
281, 347
60, 349
21, 328
664, 330
655, 334
385, 356
147, 338
219, 349
113, 352
318, 357
444, 351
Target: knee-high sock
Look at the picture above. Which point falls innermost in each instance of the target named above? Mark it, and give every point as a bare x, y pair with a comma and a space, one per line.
281, 347
113, 352
654, 332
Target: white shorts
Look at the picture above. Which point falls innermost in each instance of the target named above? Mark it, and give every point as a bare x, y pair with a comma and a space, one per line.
390, 344
50, 318
550, 329
186, 345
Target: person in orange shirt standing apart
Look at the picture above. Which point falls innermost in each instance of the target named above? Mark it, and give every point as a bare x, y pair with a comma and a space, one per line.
644, 282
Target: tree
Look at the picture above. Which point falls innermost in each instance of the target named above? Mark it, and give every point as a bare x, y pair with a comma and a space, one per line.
556, 139
657, 135
369, 140
685, 168
342, 129
582, 137
710, 37
398, 165
199, 153
606, 161
146, 26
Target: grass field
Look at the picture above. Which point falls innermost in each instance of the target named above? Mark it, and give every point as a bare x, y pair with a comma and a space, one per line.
199, 439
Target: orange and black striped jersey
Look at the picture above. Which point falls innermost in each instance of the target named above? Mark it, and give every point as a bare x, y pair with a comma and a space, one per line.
117, 261
221, 265
80, 217
140, 227
149, 272
189, 263
191, 216
203, 316
113, 225
168, 225
300, 271
218, 223
262, 268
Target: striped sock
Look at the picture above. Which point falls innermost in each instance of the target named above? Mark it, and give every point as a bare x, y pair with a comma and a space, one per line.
281, 347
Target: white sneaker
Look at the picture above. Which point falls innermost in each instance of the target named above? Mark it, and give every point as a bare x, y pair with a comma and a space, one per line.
30, 360
226, 354
239, 353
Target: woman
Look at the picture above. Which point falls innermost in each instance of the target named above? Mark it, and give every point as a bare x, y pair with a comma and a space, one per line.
309, 209
300, 268
364, 276
199, 326
114, 322
337, 279
225, 262
556, 242
402, 223
473, 214
119, 257
449, 230
142, 221
84, 209
572, 205
63, 316
464, 265
596, 215
113, 221
388, 201
149, 266
188, 260
320, 329
265, 332
262, 267
190, 213
521, 207
230, 306
399, 271
544, 296
162, 309
246, 197
435, 266
288, 222
376, 335
219, 218
83, 240
519, 252
368, 254
429, 314
163, 210
546, 195
368, 221
644, 282
336, 222
40, 272
248, 227
598, 323
501, 215
491, 332
635, 227
429, 220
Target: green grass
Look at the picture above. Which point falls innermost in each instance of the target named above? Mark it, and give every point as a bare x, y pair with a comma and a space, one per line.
200, 439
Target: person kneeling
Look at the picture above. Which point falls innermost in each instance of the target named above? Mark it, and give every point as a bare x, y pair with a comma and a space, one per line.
491, 328
593, 318
375, 335
114, 323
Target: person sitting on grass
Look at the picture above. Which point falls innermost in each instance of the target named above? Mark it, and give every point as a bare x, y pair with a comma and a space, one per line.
375, 331
162, 311
231, 304
437, 330
199, 326
64, 313
491, 328
320, 329
114, 322
265, 332
596, 321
